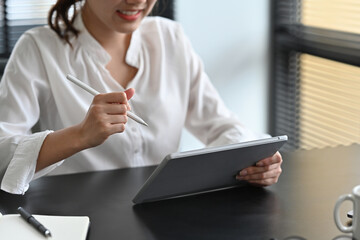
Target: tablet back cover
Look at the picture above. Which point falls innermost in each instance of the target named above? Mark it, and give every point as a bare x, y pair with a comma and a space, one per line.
206, 169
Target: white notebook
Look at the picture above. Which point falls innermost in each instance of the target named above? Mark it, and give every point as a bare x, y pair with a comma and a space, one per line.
13, 227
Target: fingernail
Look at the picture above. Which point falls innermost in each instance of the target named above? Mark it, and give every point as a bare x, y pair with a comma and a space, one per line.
243, 173
260, 164
238, 178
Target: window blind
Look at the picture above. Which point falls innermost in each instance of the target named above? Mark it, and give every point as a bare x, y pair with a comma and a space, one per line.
340, 15
18, 16
315, 72
330, 103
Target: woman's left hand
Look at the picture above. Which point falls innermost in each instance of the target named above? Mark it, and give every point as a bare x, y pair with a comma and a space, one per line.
266, 172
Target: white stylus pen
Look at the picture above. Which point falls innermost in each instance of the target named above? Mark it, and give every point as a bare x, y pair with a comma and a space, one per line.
94, 92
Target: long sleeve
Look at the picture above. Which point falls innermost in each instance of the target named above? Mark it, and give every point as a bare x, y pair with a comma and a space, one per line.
22, 87
172, 91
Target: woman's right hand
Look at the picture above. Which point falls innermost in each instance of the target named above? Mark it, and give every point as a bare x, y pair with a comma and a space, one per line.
106, 116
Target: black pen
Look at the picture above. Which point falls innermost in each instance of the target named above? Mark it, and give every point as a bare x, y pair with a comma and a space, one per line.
33, 222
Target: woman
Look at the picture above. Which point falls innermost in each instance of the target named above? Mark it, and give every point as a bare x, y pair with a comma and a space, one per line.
110, 45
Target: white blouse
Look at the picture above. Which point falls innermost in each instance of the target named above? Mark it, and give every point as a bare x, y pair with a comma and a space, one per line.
172, 91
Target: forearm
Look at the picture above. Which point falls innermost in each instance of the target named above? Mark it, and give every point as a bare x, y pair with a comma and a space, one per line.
103, 119
58, 146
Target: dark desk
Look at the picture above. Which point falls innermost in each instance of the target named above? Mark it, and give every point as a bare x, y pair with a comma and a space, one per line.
301, 204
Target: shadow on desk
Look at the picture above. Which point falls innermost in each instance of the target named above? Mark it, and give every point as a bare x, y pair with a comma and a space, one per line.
215, 215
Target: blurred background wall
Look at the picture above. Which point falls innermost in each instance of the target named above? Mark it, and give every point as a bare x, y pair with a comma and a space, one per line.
231, 37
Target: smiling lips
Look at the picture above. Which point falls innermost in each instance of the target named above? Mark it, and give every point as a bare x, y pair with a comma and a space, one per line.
129, 15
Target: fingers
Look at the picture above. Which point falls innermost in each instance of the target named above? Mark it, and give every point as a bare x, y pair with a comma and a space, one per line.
256, 170
276, 158
113, 103
265, 173
263, 165
114, 97
114, 108
107, 115
129, 93
264, 182
254, 174
117, 128
116, 119
107, 110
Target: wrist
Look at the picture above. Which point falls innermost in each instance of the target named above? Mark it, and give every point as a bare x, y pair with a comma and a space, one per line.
79, 139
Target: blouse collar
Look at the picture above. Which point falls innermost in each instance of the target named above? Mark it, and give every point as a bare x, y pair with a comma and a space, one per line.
87, 41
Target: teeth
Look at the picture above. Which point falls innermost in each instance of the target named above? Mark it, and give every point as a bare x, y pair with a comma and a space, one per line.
129, 13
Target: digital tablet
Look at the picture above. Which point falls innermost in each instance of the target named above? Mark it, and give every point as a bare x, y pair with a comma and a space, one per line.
207, 169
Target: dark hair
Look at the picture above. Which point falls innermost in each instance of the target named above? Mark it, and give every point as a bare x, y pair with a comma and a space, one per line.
59, 14
164, 8
60, 21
